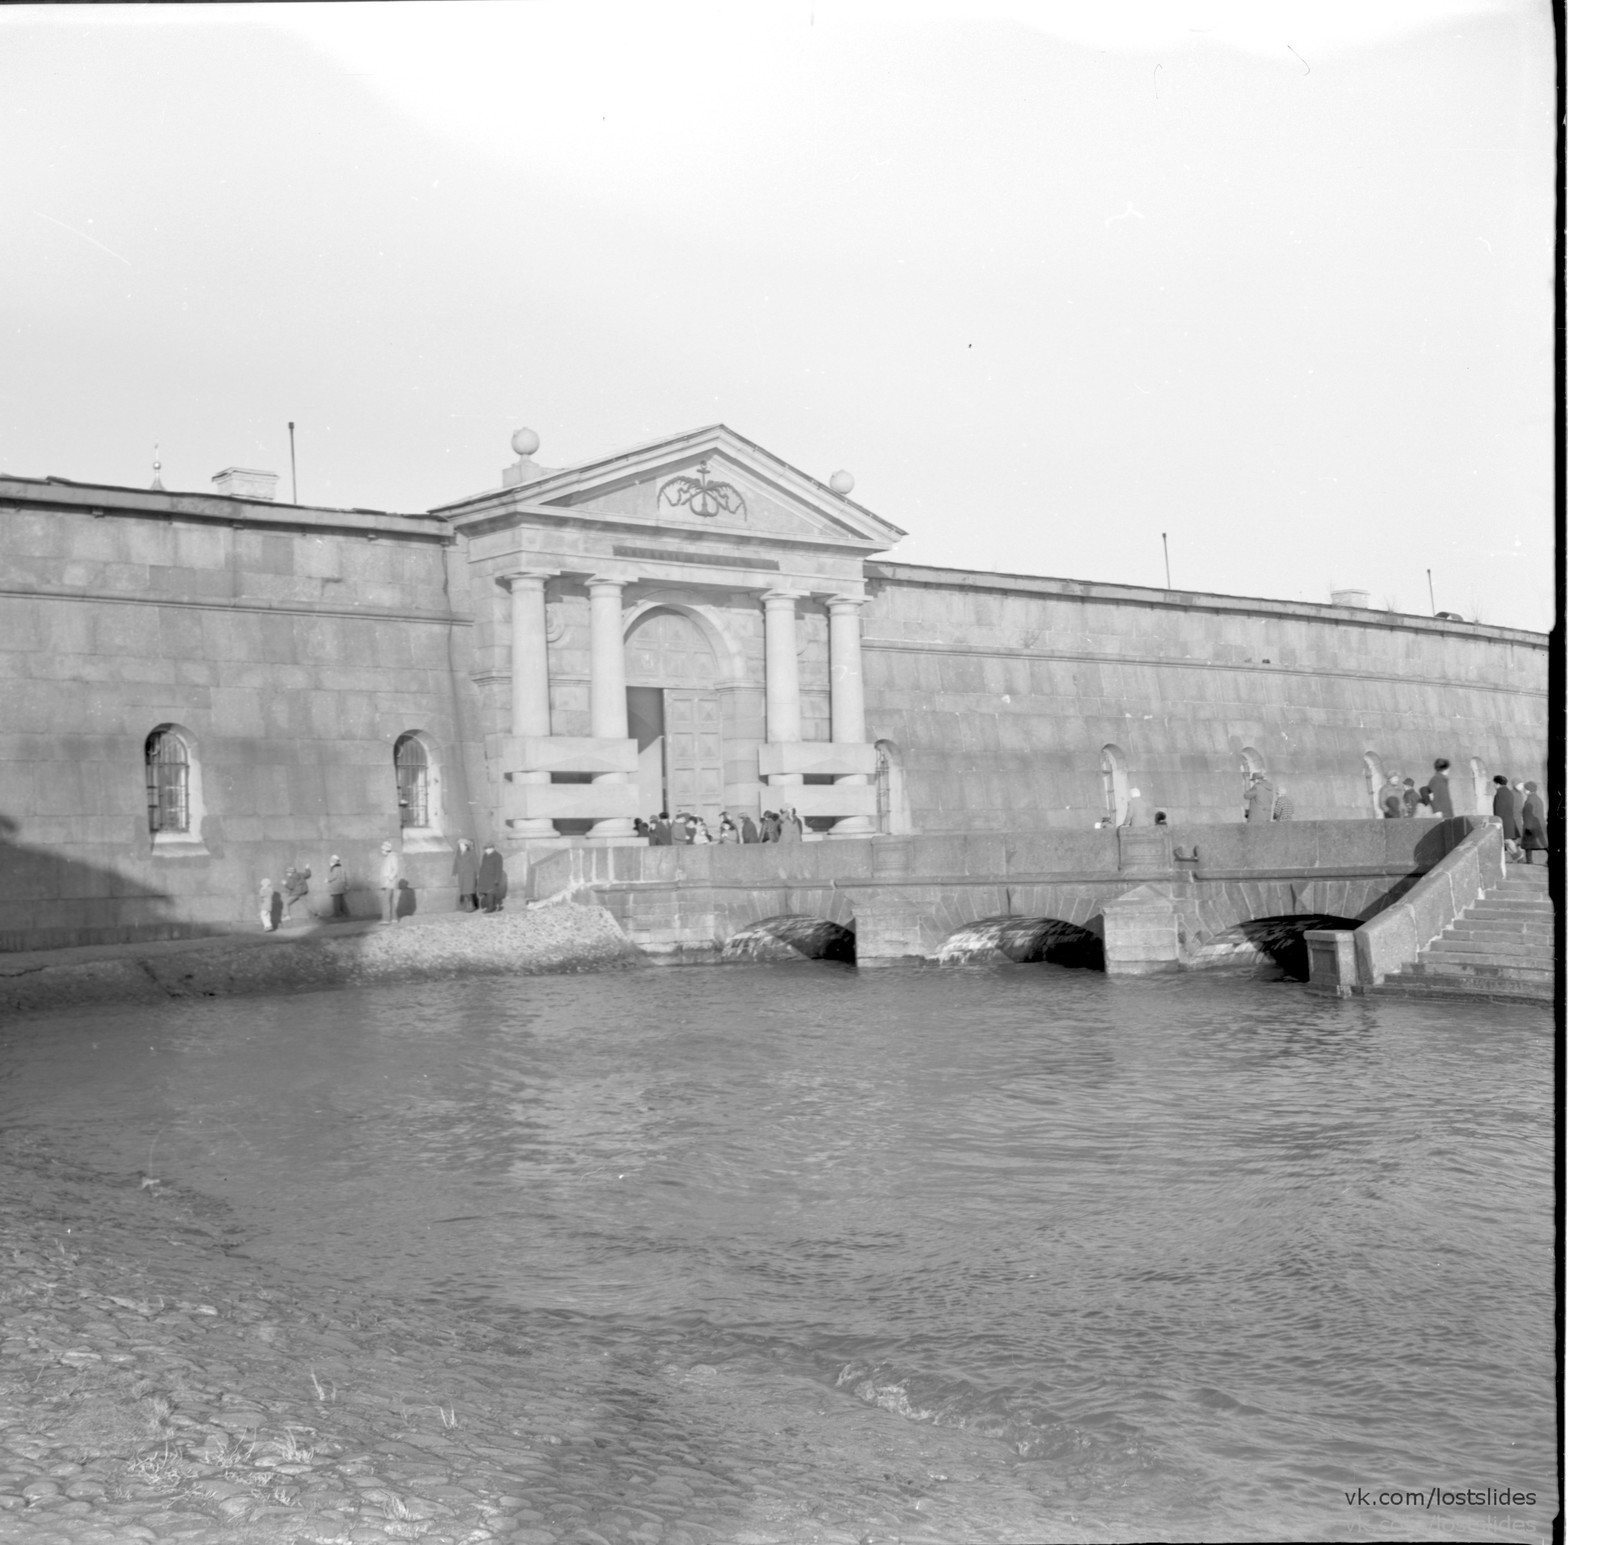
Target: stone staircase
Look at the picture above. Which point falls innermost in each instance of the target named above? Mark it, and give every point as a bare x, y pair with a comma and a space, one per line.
1502, 947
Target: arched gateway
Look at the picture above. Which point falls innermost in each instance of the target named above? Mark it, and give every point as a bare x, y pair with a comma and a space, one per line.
675, 715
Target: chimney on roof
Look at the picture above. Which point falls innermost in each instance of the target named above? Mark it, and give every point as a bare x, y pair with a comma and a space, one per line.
1356, 598
243, 483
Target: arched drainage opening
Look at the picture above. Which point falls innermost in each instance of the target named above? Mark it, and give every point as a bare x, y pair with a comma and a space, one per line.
1025, 941
793, 938
1270, 943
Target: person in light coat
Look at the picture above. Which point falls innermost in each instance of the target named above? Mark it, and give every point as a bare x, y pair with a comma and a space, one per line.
466, 871
389, 880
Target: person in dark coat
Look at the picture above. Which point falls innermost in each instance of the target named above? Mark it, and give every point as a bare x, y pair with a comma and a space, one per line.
1535, 839
771, 826
1409, 798
1505, 809
681, 833
338, 884
1438, 788
661, 831
491, 879
466, 870
747, 830
1258, 804
296, 887
790, 828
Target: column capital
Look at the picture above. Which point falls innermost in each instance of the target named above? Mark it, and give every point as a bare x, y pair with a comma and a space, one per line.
595, 581
508, 580
841, 601
779, 593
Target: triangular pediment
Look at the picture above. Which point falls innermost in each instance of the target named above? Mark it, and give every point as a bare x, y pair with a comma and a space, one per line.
710, 481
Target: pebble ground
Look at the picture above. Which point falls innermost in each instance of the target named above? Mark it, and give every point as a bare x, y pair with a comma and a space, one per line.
157, 1384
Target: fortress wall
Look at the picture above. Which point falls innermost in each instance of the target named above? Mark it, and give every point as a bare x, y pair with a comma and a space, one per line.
999, 692
292, 658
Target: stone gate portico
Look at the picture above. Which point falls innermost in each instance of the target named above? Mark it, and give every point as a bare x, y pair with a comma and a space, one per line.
590, 584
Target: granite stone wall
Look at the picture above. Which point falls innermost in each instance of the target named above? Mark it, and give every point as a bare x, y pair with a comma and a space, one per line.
999, 693
290, 656
292, 647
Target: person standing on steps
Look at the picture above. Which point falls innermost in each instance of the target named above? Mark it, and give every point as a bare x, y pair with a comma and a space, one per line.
1437, 788
1535, 839
389, 880
747, 829
466, 870
1410, 799
264, 900
1506, 811
338, 884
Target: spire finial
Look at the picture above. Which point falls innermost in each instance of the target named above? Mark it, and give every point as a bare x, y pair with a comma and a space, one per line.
156, 482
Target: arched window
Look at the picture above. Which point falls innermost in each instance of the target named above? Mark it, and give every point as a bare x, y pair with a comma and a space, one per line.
1114, 783
1375, 782
894, 813
413, 776
166, 781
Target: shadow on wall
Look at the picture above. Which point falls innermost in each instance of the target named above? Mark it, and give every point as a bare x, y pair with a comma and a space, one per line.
51, 902
1026, 941
1278, 943
793, 938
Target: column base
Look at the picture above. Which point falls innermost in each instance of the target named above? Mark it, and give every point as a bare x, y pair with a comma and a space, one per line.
854, 826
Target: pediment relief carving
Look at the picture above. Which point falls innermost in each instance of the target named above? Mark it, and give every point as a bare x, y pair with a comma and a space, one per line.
713, 481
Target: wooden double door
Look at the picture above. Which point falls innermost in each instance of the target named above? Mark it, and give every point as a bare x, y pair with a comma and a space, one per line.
679, 732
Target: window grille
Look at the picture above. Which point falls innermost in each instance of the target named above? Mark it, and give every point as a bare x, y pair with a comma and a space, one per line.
166, 781
411, 780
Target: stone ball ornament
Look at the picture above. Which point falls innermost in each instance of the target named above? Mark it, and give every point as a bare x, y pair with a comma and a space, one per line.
841, 482
524, 442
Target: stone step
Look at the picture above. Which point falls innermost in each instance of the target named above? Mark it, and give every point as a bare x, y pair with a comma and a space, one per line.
1454, 961
1491, 990
1512, 928
1511, 938
1545, 914
1523, 970
1526, 874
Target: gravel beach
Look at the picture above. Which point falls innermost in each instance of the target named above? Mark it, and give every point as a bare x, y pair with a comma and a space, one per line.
158, 1385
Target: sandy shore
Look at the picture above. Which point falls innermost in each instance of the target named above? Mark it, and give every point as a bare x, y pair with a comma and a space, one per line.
560, 937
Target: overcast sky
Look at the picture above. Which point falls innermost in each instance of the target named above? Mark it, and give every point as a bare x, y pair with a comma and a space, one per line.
1049, 280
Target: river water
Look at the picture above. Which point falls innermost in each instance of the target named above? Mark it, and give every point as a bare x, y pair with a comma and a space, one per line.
1187, 1257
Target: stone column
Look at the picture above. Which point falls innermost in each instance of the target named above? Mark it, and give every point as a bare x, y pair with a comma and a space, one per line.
848, 700
783, 680
530, 677
608, 684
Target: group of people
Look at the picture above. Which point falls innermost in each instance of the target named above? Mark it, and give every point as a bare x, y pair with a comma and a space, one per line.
1517, 806
1265, 801
480, 886
480, 877
687, 829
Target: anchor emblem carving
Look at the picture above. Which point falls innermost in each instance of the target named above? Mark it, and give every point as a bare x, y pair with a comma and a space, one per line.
703, 495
